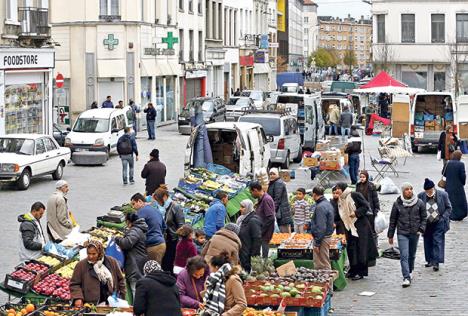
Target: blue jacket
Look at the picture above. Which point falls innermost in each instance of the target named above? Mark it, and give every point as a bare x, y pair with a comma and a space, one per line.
156, 225
107, 105
214, 218
322, 221
132, 140
444, 207
150, 114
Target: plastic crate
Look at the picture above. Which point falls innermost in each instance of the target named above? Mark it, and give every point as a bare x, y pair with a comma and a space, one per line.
313, 311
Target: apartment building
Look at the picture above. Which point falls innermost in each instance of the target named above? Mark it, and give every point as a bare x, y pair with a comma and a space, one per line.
310, 28
290, 35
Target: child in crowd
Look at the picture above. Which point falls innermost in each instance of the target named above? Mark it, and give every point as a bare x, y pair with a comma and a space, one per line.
200, 240
301, 211
185, 248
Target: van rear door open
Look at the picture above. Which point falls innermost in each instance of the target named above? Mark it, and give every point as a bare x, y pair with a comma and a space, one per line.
463, 116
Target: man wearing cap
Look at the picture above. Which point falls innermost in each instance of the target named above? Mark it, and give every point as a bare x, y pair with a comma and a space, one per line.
154, 172
438, 208
59, 223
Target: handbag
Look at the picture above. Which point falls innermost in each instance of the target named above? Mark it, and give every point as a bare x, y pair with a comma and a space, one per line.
442, 183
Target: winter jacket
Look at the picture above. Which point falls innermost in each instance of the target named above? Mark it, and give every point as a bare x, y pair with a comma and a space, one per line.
150, 114
223, 240
322, 221
126, 136
277, 190
444, 207
265, 209
154, 172
185, 250
31, 239
85, 285
59, 224
334, 115
214, 218
157, 294
250, 235
339, 225
156, 225
174, 218
346, 119
372, 196
353, 146
441, 144
236, 302
407, 220
188, 294
133, 244
107, 105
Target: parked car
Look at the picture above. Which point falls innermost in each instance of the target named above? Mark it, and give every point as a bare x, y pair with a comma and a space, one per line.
235, 107
241, 147
23, 156
214, 110
259, 97
283, 129
95, 134
60, 134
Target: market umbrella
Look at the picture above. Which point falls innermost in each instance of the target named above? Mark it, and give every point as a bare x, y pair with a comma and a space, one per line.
384, 83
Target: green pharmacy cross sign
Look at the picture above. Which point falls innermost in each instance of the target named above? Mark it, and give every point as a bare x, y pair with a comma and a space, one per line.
111, 42
170, 40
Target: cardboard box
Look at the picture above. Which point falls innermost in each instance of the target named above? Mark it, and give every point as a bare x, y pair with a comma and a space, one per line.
399, 129
429, 123
310, 162
321, 146
330, 165
429, 128
330, 155
227, 149
228, 159
400, 112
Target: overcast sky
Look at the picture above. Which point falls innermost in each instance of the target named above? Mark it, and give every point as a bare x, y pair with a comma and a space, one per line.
342, 8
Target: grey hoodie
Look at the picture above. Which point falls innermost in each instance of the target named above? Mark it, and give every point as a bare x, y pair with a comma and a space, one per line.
31, 239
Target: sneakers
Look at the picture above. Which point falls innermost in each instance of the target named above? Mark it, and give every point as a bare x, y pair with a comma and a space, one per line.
428, 265
406, 283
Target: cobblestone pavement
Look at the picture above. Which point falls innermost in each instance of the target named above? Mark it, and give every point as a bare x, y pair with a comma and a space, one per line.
95, 189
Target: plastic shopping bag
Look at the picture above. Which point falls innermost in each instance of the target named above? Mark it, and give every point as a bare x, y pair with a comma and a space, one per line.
113, 250
117, 302
439, 155
380, 223
387, 186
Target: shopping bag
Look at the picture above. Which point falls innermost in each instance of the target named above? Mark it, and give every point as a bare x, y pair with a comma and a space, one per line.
391, 253
72, 219
439, 155
387, 186
113, 250
380, 223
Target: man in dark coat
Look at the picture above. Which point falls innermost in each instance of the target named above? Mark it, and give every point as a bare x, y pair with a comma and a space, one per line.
126, 147
154, 172
108, 103
455, 174
32, 238
133, 244
277, 190
250, 234
439, 209
339, 226
157, 293
151, 120
265, 209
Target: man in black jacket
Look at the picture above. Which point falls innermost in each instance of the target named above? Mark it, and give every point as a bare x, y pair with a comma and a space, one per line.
32, 238
151, 120
277, 190
154, 172
126, 147
353, 149
321, 226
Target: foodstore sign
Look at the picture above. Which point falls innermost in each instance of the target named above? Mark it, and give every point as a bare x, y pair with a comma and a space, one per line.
26, 59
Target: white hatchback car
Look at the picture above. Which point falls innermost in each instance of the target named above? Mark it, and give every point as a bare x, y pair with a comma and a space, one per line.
23, 156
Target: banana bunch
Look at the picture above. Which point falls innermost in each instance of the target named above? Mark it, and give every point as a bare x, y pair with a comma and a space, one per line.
50, 261
67, 271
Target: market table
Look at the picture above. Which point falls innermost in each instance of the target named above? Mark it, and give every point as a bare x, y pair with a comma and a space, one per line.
338, 265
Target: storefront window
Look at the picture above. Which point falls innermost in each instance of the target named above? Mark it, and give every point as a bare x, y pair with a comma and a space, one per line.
160, 99
439, 81
145, 91
24, 108
170, 98
417, 79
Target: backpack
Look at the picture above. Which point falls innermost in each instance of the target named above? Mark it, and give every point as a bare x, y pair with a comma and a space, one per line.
124, 147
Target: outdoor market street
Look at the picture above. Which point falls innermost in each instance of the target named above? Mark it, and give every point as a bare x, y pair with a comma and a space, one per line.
93, 190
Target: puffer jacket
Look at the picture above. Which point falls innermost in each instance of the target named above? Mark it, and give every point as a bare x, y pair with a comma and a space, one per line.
277, 190
31, 239
223, 240
407, 220
133, 244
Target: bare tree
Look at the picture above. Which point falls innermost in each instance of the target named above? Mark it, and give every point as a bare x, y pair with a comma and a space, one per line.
458, 55
383, 56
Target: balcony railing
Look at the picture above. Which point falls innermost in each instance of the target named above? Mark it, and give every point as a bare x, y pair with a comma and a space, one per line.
34, 22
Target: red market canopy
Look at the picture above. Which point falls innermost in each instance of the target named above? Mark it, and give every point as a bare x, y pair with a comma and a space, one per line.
383, 79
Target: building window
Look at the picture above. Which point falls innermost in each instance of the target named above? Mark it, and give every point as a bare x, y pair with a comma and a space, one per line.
181, 45
200, 9
200, 46
439, 81
416, 79
438, 28
380, 28
191, 55
407, 28
190, 6
12, 10
462, 28
306, 19
181, 5
109, 7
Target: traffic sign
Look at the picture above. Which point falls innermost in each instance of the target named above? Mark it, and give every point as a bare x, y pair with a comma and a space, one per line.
59, 80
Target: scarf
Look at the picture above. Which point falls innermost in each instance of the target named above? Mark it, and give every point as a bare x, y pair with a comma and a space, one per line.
215, 295
346, 207
249, 208
103, 274
409, 202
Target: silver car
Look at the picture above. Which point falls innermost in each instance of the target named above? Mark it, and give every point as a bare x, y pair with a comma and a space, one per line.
236, 106
259, 97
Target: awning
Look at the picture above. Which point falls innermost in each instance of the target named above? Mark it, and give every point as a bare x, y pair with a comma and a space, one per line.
111, 68
262, 69
159, 68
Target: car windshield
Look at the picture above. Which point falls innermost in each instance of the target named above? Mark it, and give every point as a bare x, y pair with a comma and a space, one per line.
270, 125
208, 106
91, 125
283, 99
238, 103
17, 146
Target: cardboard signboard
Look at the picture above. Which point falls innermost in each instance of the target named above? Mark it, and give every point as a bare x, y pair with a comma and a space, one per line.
286, 269
399, 129
400, 112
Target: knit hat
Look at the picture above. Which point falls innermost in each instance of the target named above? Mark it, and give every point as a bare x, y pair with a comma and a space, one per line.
233, 227
151, 266
428, 184
274, 171
60, 184
405, 186
155, 153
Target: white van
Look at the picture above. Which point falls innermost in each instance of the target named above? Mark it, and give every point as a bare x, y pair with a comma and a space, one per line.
95, 134
462, 116
241, 147
430, 113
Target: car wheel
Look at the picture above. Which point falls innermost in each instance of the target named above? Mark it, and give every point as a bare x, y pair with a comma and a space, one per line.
298, 159
58, 173
285, 165
25, 180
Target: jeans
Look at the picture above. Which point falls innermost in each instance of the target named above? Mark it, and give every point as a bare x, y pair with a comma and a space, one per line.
151, 129
333, 129
354, 167
345, 131
408, 245
265, 248
127, 161
434, 242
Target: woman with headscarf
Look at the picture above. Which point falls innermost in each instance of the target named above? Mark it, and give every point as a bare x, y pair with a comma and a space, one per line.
156, 293
368, 190
448, 143
96, 278
455, 175
224, 289
191, 283
408, 218
361, 248
250, 234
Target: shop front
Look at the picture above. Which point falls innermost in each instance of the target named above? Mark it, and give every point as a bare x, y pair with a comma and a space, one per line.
246, 61
26, 77
193, 84
262, 71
